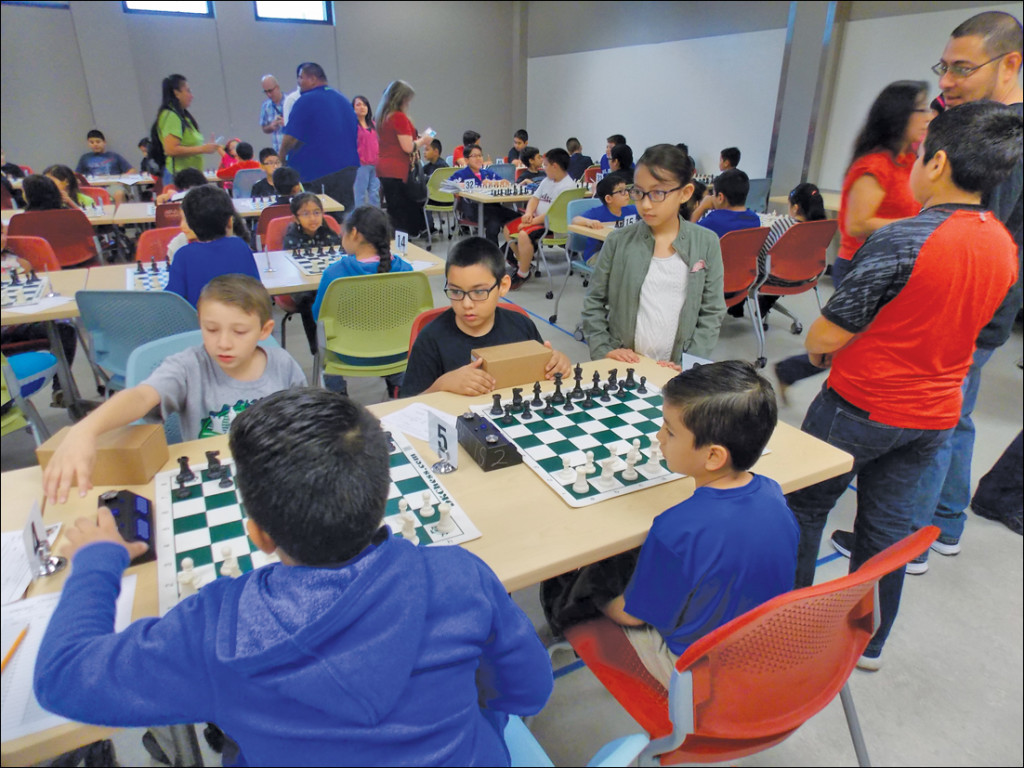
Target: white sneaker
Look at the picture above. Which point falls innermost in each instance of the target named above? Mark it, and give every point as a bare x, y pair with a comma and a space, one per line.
946, 549
870, 663
917, 567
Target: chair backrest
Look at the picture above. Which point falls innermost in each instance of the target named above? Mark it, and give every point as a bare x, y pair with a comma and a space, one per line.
120, 321
751, 682
67, 230
36, 251
739, 257
505, 171
82, 180
434, 191
556, 218
98, 194
577, 243
450, 159
333, 223
243, 181
6, 201
153, 243
26, 169
275, 232
590, 174
425, 318
757, 197
371, 316
799, 255
267, 215
168, 215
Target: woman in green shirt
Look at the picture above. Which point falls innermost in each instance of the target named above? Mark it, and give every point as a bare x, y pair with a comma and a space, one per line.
178, 131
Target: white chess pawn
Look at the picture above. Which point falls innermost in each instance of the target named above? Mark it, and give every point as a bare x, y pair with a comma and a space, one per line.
427, 505
566, 474
403, 506
409, 526
634, 451
229, 566
630, 473
581, 485
445, 524
187, 578
589, 467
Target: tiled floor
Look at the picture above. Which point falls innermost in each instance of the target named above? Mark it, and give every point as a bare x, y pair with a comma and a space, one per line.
950, 692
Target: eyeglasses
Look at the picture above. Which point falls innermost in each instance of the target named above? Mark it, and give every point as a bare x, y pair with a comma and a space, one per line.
961, 71
625, 191
476, 294
270, 90
657, 195
310, 214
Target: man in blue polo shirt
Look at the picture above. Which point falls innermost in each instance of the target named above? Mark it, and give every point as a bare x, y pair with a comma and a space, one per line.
319, 140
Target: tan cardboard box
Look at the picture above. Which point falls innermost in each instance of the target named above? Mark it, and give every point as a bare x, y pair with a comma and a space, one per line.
129, 455
515, 364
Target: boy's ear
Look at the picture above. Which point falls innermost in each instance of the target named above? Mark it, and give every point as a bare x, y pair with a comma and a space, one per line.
259, 537
717, 458
938, 165
266, 329
504, 286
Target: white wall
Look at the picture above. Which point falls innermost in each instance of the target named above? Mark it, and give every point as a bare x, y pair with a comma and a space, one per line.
710, 92
875, 53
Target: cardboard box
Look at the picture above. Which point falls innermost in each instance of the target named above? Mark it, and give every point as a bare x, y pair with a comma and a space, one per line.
129, 455
515, 364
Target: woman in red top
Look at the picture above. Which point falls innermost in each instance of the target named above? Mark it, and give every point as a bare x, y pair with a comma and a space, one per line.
876, 189
398, 140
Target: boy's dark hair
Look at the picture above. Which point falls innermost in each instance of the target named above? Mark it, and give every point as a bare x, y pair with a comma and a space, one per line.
467, 148
313, 468
267, 152
572, 145
1000, 31
436, 144
734, 184
41, 193
208, 210
608, 184
473, 250
240, 291
372, 224
95, 134
521, 134
731, 155
616, 138
285, 179
982, 141
689, 206
301, 199
726, 404
527, 154
470, 137
145, 143
559, 157
666, 163
244, 150
187, 178
623, 154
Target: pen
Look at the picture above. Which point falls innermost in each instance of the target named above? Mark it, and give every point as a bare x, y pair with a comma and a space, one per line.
14, 647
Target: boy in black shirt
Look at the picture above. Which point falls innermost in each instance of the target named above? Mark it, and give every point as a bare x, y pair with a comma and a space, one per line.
269, 162
441, 358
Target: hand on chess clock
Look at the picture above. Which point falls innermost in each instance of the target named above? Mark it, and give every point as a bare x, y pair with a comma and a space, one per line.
559, 363
467, 380
88, 531
623, 355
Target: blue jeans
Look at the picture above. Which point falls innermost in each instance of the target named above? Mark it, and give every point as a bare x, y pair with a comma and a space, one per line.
999, 492
367, 186
953, 463
891, 465
798, 367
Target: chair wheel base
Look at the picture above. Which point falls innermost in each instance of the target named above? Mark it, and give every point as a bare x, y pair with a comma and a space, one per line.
553, 319
762, 362
430, 247
796, 329
549, 295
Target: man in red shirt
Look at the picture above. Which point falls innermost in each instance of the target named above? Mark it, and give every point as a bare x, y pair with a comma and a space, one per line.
899, 335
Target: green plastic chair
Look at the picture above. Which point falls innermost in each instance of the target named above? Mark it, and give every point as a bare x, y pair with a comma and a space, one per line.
556, 232
367, 320
438, 201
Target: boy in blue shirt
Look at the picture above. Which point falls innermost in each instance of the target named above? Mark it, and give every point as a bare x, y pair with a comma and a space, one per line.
495, 216
725, 550
613, 192
357, 648
730, 205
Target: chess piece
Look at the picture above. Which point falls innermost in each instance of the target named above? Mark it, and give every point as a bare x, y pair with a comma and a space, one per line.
558, 398
568, 405
588, 400
630, 382
390, 442
508, 419
409, 526
596, 389
536, 402
607, 478
496, 408
188, 579
14, 277
581, 485
589, 467
527, 414
214, 467
427, 508
548, 411
566, 474
152, 265
229, 567
634, 450
613, 379
517, 399
630, 473
181, 492
605, 397
185, 474
445, 524
403, 506
577, 390
140, 270
642, 389
225, 477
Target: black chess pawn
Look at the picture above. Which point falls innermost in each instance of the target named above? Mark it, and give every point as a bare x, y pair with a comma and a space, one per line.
536, 402
181, 492
630, 382
152, 265
642, 389
527, 414
33, 277
605, 397
496, 408
225, 478
558, 398
390, 442
185, 472
14, 277
613, 379
508, 419
588, 400
548, 408
568, 405
140, 270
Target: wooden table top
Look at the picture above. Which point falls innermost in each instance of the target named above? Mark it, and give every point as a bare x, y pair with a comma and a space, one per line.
597, 234
127, 179
478, 196
97, 217
65, 282
145, 213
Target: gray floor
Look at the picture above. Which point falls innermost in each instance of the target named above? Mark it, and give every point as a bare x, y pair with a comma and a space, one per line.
950, 689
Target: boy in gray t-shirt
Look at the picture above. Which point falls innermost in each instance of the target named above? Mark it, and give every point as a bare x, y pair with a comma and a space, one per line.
207, 385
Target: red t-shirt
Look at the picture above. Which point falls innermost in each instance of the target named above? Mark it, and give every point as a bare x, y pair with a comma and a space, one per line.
393, 161
457, 154
894, 178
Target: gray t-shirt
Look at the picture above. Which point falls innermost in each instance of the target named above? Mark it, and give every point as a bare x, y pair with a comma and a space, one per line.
207, 400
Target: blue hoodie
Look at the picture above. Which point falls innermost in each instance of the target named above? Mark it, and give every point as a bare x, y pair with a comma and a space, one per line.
377, 661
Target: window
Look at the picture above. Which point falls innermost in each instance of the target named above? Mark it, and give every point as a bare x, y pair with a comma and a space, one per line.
184, 8
294, 10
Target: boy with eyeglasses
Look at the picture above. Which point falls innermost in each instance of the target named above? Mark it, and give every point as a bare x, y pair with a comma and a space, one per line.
613, 193
441, 358
269, 162
495, 216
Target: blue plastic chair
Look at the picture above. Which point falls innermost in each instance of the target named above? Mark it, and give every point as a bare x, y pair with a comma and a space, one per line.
120, 321
524, 750
241, 185
147, 357
757, 197
576, 243
506, 171
23, 375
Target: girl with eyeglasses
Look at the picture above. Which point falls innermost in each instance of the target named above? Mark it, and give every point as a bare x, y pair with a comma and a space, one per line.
657, 288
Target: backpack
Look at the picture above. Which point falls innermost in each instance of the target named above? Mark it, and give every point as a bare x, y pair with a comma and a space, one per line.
156, 146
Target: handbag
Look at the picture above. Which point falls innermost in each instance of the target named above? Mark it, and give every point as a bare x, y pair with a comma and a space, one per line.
416, 183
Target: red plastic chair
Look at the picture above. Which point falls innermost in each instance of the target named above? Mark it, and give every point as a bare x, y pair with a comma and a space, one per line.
36, 251
277, 227
268, 214
26, 169
590, 175
68, 232
153, 243
425, 318
168, 215
739, 257
6, 201
798, 257
82, 181
98, 194
751, 683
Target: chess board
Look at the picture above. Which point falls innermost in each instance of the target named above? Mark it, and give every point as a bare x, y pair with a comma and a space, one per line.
607, 429
313, 262
212, 517
148, 280
249, 204
25, 293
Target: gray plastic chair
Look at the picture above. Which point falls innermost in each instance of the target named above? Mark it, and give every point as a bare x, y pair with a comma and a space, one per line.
120, 321
757, 197
147, 358
241, 185
507, 171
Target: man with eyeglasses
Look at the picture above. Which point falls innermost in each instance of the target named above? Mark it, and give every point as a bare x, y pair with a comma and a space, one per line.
272, 111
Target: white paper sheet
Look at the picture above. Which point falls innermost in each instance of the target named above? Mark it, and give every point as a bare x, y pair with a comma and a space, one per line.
15, 571
40, 306
412, 420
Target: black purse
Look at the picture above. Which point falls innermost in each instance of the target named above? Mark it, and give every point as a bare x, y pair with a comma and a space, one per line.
416, 184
